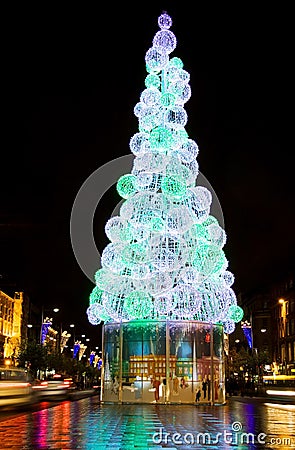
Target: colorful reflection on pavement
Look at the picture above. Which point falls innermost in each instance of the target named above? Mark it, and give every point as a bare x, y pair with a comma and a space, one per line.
86, 424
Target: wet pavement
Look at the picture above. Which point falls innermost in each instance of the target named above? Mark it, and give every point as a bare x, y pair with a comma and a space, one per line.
87, 424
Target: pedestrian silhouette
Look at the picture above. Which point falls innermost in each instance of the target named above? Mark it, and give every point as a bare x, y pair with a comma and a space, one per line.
204, 388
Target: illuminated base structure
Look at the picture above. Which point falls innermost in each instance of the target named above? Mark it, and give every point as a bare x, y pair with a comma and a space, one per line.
163, 361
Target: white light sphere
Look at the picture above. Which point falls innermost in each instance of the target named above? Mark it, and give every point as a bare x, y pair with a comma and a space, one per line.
113, 228
149, 182
189, 150
228, 278
140, 272
97, 314
126, 209
149, 162
178, 220
181, 90
139, 109
144, 179
163, 304
175, 117
187, 299
164, 21
139, 143
150, 97
159, 283
192, 169
203, 197
184, 76
229, 326
111, 258
189, 275
173, 75
103, 278
165, 39
156, 58
151, 118
168, 253
216, 235
193, 202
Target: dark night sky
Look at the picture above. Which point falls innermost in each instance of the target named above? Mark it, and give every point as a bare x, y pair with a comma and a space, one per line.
72, 79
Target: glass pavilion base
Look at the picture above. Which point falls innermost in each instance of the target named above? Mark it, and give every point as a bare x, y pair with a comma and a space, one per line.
163, 361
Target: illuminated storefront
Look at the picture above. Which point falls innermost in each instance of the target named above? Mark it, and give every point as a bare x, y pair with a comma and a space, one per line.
163, 361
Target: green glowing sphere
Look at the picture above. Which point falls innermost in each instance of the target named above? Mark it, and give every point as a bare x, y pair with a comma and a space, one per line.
126, 185
208, 259
134, 254
160, 138
176, 62
152, 81
168, 99
138, 305
95, 295
173, 186
235, 313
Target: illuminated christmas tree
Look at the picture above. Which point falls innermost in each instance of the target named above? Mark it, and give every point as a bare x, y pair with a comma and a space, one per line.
165, 259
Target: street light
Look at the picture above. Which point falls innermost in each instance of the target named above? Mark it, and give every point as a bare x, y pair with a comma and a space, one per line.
33, 332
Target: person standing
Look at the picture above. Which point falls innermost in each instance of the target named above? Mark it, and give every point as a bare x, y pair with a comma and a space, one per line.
204, 388
156, 386
209, 389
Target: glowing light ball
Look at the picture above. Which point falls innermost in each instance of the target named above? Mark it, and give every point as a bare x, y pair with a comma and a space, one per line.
176, 117
173, 186
164, 21
235, 313
150, 97
95, 295
152, 81
189, 150
138, 305
156, 59
165, 39
176, 62
126, 185
160, 138
228, 277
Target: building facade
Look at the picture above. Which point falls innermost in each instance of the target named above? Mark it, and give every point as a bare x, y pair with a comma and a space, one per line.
269, 325
12, 326
283, 295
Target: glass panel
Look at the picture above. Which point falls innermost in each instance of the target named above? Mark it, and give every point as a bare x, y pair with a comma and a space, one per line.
194, 355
